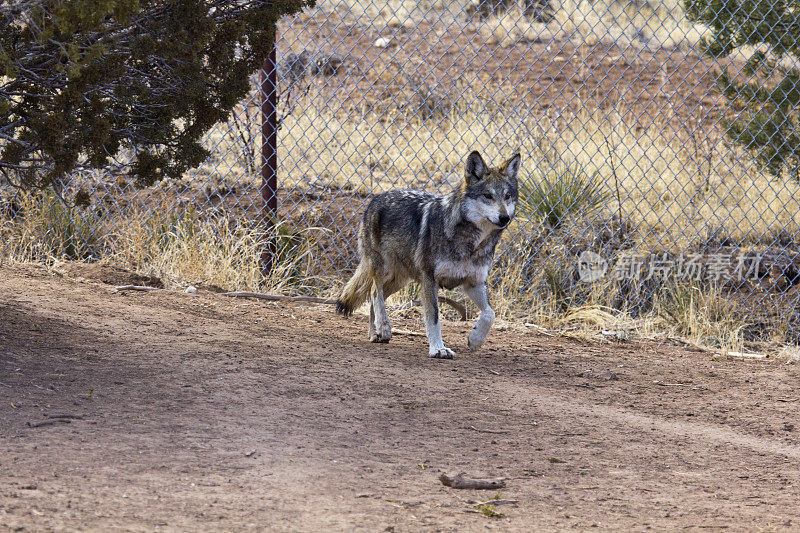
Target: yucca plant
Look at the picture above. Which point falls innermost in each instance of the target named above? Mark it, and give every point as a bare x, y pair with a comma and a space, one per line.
565, 190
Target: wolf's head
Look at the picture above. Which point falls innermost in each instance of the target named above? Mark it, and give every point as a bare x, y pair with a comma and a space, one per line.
490, 194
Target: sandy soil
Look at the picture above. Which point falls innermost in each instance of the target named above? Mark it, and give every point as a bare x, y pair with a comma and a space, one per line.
200, 412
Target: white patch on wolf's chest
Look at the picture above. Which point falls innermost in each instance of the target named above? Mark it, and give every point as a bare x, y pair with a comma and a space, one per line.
462, 270
486, 229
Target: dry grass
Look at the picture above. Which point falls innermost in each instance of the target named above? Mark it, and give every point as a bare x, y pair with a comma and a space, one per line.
178, 245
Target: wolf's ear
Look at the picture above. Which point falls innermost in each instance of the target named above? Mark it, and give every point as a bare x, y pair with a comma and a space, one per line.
476, 167
511, 167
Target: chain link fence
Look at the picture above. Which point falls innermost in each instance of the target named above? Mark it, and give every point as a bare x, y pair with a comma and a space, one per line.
631, 198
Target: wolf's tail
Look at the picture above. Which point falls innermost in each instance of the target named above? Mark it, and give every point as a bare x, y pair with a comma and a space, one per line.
355, 292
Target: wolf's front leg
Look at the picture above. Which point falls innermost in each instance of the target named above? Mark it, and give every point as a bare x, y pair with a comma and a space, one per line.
480, 295
433, 328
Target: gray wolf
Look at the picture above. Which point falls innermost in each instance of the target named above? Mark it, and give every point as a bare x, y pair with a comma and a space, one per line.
438, 241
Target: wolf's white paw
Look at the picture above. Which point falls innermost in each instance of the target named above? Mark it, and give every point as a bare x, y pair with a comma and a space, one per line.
481, 330
383, 334
475, 340
441, 353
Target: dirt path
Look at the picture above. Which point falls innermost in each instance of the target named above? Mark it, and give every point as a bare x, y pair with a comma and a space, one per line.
201, 412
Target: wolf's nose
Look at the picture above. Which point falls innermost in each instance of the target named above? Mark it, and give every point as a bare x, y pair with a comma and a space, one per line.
503, 220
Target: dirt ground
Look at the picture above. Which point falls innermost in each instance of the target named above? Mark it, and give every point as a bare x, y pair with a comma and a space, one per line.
199, 412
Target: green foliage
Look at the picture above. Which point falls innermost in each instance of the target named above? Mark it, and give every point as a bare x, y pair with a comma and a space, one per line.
564, 191
490, 511
764, 109
81, 81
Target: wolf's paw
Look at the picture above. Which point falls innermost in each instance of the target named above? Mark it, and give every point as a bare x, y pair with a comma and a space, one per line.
378, 338
475, 340
441, 353
383, 334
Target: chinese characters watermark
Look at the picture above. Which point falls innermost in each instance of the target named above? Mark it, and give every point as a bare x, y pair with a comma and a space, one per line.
712, 267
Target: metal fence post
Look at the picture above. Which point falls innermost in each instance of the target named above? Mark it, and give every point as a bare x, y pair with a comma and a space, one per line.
269, 158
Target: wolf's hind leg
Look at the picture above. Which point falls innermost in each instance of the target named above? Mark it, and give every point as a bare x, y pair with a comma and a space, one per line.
371, 321
380, 326
433, 328
389, 288
480, 295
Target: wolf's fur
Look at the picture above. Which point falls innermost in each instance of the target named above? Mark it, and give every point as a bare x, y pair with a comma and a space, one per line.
438, 241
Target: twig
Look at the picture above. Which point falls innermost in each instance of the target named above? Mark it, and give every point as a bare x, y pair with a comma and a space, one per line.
5, 384
50, 422
662, 384
399, 331
134, 288
489, 370
787, 399
748, 355
461, 481
452, 303
496, 502
616, 181
473, 428
540, 329
278, 297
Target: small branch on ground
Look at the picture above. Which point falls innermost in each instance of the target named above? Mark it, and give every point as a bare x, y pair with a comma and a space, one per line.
400, 331
461, 481
50, 422
540, 329
745, 355
662, 384
455, 305
134, 288
278, 297
499, 432
497, 502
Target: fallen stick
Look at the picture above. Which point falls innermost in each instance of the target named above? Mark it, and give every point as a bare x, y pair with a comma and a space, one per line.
499, 432
278, 297
747, 355
662, 384
497, 502
452, 303
540, 329
134, 288
399, 331
50, 422
460, 481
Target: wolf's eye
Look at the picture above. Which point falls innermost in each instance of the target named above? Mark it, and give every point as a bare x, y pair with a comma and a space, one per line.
508, 196
487, 196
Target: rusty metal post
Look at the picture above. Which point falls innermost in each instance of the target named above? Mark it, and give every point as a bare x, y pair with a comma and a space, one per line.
269, 158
